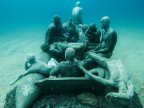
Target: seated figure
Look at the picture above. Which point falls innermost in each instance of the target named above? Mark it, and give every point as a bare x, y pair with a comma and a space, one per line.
107, 42
108, 39
58, 49
35, 66
67, 68
71, 31
55, 33
93, 36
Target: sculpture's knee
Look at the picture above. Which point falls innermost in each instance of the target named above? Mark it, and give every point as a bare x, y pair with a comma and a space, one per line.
45, 47
99, 59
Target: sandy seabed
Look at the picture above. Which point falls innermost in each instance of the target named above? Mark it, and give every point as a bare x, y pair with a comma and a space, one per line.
17, 42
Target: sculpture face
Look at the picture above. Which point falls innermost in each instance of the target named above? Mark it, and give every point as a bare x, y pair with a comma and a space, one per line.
78, 3
56, 20
69, 54
105, 22
93, 27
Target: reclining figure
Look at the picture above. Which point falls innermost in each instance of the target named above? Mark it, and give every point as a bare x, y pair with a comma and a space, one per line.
118, 77
35, 66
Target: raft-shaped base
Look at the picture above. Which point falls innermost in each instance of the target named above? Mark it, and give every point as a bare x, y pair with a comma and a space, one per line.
69, 85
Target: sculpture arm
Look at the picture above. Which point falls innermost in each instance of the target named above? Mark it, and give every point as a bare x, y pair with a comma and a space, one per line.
19, 77
97, 47
49, 34
118, 96
125, 94
26, 65
104, 50
110, 44
97, 79
55, 71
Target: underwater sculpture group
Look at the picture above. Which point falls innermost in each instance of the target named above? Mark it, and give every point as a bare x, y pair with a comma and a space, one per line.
74, 49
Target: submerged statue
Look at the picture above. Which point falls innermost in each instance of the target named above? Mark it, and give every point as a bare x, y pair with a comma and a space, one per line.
77, 14
119, 78
67, 68
58, 45
71, 31
35, 66
107, 42
108, 39
92, 35
55, 33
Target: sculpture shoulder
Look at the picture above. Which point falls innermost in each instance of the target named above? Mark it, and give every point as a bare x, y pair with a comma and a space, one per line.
51, 26
77, 9
112, 33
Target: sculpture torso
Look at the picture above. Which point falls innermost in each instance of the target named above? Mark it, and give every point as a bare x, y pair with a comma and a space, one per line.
77, 15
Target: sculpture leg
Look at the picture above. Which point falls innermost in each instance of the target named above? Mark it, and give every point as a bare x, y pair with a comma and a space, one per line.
98, 72
99, 59
28, 92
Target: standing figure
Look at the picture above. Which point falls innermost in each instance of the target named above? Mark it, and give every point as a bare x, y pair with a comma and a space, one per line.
77, 14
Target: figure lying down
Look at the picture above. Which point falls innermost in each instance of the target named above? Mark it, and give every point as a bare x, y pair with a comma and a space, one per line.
119, 78
32, 65
53, 68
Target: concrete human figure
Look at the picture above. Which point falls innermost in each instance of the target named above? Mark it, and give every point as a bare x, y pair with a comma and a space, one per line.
67, 68
107, 42
108, 39
77, 14
119, 78
71, 31
92, 35
35, 66
55, 33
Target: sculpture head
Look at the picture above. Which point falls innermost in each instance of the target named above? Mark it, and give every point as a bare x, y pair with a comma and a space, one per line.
31, 57
78, 3
70, 54
92, 27
84, 28
56, 20
70, 21
105, 22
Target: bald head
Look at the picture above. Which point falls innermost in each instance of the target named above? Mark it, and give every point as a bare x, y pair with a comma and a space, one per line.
78, 3
70, 54
31, 57
56, 20
105, 22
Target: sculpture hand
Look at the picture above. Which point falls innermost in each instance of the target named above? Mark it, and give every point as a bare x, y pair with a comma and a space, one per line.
111, 96
13, 82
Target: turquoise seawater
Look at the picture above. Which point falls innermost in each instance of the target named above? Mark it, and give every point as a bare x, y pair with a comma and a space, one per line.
40, 12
